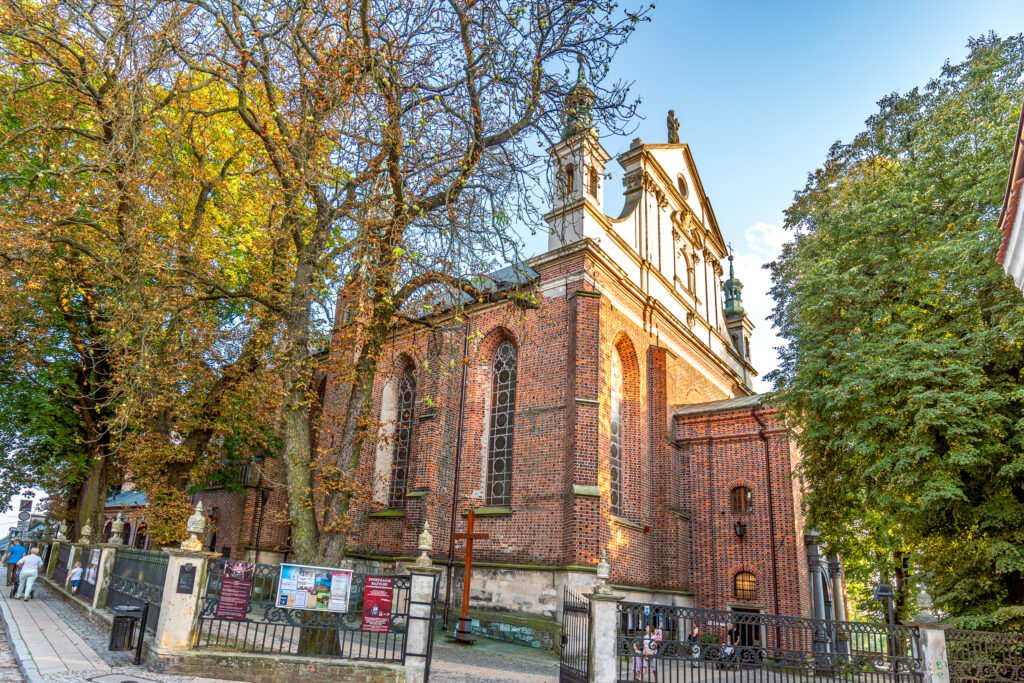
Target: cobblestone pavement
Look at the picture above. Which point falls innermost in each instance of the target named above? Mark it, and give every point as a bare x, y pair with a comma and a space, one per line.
9, 671
491, 662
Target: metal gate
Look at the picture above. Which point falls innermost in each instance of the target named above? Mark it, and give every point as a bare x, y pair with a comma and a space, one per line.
687, 645
575, 656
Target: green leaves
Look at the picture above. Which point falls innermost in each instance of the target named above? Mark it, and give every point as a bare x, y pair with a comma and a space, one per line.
904, 363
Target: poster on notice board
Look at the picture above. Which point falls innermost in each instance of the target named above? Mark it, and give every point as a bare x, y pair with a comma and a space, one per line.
319, 589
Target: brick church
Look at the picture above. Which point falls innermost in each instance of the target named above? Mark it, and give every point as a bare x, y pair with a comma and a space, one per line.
618, 416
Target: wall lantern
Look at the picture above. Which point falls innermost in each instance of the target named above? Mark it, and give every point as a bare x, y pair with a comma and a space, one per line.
740, 527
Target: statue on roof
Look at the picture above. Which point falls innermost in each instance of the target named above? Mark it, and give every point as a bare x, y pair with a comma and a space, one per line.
673, 127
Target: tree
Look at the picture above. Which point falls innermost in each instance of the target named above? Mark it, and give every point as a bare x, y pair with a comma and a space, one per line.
110, 247
903, 368
402, 140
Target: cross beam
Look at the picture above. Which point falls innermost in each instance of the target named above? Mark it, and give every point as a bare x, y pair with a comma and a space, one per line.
462, 631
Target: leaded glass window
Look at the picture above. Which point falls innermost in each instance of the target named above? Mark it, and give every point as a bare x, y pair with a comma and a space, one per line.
745, 586
615, 447
503, 409
403, 440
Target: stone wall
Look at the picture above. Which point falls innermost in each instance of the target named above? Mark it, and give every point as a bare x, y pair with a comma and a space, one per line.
273, 669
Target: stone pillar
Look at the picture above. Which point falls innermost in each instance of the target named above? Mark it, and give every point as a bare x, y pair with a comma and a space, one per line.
417, 638
933, 652
934, 658
176, 629
52, 564
604, 627
107, 553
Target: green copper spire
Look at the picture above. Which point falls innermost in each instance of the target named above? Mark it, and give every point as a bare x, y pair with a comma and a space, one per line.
733, 289
579, 104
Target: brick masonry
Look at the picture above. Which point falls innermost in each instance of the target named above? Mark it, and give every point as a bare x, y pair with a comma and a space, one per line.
675, 534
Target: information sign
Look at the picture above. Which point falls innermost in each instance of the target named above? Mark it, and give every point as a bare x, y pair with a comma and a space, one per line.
377, 604
320, 589
235, 589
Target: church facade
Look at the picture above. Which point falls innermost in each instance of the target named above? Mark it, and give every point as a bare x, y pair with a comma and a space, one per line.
618, 417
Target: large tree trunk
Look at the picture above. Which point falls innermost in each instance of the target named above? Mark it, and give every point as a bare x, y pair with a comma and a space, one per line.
93, 494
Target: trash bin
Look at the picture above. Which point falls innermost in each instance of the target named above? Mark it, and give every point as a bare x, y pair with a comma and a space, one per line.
122, 632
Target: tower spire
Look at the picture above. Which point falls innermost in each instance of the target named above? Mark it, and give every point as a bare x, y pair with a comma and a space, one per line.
579, 105
733, 292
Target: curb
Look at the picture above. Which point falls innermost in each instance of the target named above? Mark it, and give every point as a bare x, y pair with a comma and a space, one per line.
21, 653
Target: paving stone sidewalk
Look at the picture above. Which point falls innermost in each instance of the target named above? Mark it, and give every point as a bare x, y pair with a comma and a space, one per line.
60, 645
491, 662
9, 670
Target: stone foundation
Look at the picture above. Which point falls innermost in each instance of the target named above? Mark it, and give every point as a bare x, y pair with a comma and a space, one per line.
272, 668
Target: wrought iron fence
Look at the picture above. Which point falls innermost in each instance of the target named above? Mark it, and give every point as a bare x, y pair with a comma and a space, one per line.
61, 569
659, 642
268, 628
574, 665
136, 578
90, 561
984, 656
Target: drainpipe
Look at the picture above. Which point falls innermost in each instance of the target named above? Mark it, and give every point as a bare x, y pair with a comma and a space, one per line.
455, 483
771, 514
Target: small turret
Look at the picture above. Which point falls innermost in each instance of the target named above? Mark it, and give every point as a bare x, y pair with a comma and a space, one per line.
733, 293
736, 320
579, 106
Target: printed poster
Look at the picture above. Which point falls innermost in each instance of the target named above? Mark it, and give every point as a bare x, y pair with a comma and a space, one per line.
377, 604
235, 589
93, 570
320, 589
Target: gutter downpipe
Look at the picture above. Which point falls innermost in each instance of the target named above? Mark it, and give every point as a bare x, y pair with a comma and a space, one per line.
771, 514
455, 483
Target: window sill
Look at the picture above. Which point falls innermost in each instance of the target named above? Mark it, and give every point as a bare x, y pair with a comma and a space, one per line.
626, 523
388, 513
489, 512
586, 491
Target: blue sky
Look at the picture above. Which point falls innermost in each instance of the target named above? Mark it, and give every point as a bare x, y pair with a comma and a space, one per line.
762, 89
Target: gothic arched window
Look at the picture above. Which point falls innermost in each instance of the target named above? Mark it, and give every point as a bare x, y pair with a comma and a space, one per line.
503, 409
403, 440
745, 586
570, 179
615, 442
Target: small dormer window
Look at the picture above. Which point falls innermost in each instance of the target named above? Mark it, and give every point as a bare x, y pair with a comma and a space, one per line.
570, 179
594, 181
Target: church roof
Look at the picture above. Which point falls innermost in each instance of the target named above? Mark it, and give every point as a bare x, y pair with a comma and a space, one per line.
723, 406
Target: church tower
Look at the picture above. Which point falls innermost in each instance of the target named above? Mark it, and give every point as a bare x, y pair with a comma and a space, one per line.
736, 320
577, 167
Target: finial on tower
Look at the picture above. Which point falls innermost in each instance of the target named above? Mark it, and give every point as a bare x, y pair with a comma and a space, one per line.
673, 127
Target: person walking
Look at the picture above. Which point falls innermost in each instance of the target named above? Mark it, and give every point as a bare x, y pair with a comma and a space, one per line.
12, 558
30, 565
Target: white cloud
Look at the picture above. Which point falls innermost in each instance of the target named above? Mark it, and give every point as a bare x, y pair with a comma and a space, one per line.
762, 243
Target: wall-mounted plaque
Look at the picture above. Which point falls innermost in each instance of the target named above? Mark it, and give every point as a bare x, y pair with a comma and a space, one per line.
186, 578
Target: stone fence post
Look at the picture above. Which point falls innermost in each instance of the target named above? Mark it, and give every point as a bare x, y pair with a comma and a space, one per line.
179, 610
107, 553
604, 624
934, 658
52, 564
423, 578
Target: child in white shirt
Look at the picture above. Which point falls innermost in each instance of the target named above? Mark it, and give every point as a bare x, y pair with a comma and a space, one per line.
76, 577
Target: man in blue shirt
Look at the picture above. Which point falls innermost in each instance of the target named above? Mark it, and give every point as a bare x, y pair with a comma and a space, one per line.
12, 559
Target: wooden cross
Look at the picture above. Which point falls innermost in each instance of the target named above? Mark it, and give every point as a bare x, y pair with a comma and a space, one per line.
462, 631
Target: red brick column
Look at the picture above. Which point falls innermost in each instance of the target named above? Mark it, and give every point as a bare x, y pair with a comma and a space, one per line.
582, 422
